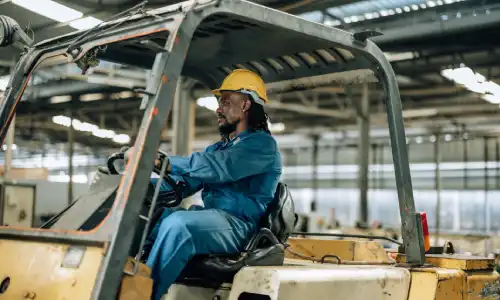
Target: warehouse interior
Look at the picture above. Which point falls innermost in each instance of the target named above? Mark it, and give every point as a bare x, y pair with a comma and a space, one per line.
334, 141
448, 119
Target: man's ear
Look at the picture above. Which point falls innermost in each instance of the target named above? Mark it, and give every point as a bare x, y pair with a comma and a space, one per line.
246, 105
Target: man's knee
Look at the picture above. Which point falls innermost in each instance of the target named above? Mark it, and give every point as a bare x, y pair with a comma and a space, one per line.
176, 223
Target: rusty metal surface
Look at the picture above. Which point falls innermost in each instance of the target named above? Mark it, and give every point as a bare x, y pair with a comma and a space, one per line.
436, 284
483, 285
455, 261
447, 284
346, 250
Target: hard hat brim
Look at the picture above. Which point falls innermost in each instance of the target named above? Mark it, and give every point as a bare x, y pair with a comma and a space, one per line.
216, 92
254, 96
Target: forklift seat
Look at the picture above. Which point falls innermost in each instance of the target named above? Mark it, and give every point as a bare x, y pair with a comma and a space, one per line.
265, 248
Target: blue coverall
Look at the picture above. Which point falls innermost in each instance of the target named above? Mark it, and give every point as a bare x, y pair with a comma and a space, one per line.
239, 178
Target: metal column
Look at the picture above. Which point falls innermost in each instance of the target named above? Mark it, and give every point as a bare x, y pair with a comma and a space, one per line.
437, 183
363, 154
374, 178
486, 187
497, 160
315, 140
183, 126
183, 121
380, 173
465, 159
295, 163
336, 149
71, 141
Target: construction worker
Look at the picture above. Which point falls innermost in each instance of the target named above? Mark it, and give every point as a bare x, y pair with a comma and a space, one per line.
238, 177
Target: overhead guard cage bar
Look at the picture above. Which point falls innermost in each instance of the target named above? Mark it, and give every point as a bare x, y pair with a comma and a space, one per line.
205, 40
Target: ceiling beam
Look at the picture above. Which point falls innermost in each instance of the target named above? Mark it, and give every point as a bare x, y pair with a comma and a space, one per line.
436, 28
303, 6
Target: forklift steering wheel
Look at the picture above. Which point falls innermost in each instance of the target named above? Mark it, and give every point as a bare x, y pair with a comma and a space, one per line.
111, 162
172, 199
177, 187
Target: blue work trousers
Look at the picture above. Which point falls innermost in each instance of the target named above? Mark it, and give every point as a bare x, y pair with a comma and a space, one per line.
180, 234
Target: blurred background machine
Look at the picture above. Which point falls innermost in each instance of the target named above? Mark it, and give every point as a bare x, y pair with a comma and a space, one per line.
17, 204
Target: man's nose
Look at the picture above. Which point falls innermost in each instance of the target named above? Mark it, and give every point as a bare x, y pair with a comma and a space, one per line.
218, 110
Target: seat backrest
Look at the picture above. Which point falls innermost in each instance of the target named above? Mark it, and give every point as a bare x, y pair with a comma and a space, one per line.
280, 216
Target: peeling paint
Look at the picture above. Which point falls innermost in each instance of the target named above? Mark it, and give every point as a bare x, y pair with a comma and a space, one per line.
491, 291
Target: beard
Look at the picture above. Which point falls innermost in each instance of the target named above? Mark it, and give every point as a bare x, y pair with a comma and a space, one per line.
227, 128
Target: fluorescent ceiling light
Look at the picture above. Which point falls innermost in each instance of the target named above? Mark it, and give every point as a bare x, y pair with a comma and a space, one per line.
208, 102
50, 9
474, 82
276, 127
91, 97
388, 11
419, 113
13, 147
397, 56
94, 129
78, 178
60, 99
121, 139
104, 133
4, 81
85, 23
332, 23
58, 12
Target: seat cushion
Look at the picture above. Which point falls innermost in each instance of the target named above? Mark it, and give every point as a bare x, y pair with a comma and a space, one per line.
217, 269
280, 216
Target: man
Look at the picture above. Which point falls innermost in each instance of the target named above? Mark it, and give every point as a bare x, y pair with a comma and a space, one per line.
238, 177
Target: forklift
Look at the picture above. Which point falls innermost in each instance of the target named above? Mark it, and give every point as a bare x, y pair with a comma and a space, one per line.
93, 249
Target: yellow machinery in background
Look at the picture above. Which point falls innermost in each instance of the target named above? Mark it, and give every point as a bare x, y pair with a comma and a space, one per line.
17, 204
92, 250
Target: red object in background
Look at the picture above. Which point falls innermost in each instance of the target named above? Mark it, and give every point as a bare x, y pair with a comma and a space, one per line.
425, 230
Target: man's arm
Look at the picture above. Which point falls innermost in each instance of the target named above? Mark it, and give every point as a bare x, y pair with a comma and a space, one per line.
252, 155
191, 188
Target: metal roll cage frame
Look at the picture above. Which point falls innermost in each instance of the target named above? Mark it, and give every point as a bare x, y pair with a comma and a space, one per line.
180, 22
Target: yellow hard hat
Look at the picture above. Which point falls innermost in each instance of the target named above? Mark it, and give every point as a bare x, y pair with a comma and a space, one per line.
246, 82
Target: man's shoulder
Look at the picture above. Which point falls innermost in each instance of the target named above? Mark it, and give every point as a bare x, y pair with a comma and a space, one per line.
213, 146
262, 138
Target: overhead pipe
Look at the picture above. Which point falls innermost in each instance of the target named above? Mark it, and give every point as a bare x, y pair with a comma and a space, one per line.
60, 88
437, 28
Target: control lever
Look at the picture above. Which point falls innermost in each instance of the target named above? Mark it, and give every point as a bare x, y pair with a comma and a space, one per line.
162, 173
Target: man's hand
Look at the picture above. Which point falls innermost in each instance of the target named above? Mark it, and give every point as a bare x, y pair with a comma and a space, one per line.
157, 162
100, 171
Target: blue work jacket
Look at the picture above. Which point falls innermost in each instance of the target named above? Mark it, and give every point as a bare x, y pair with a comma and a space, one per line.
239, 176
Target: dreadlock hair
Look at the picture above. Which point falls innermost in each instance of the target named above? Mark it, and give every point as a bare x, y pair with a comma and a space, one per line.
257, 118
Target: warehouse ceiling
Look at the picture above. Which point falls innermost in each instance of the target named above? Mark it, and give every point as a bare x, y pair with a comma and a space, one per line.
421, 39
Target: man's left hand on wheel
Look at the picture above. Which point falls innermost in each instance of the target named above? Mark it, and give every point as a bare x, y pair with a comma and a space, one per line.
157, 162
